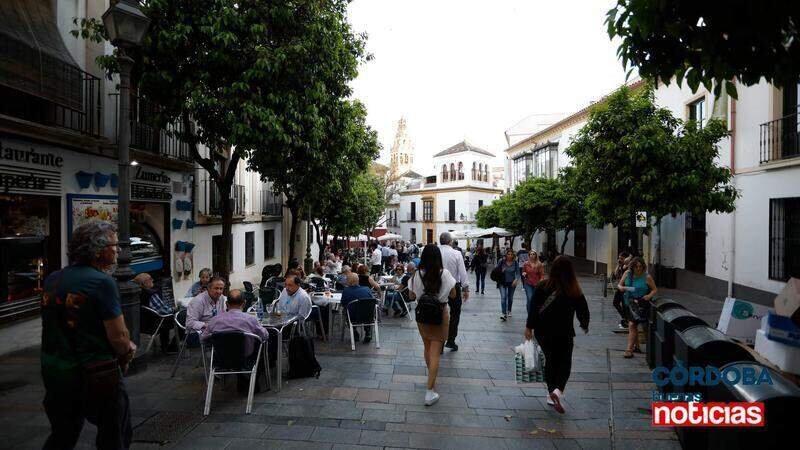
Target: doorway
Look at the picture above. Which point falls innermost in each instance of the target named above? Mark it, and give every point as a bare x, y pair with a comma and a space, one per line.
696, 243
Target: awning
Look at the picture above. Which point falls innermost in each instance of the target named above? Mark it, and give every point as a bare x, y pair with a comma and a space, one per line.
33, 57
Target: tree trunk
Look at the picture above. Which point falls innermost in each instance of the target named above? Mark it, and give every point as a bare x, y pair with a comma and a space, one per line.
293, 210
321, 245
227, 232
566, 238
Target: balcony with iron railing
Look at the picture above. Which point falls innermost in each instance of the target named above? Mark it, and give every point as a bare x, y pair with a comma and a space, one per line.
271, 204
212, 206
780, 139
149, 138
40, 88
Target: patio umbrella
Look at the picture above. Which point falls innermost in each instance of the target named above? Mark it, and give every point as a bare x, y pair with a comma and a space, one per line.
389, 237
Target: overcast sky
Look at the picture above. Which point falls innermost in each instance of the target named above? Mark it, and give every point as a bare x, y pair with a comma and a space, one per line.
471, 69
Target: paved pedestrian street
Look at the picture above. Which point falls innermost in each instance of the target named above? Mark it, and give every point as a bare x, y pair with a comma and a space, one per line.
373, 398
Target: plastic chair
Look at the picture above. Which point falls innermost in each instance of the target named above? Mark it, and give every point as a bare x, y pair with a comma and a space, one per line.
366, 312
180, 324
228, 358
149, 317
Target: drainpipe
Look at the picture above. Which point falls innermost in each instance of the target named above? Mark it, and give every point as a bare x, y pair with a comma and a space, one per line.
732, 264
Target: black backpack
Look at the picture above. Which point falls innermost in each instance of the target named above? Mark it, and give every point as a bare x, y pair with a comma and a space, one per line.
302, 362
429, 310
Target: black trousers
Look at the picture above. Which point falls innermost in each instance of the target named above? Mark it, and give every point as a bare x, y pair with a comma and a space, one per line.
67, 411
455, 315
619, 305
558, 360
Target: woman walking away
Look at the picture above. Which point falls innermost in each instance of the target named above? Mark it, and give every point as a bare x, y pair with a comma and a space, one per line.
432, 279
478, 264
508, 282
532, 274
556, 302
639, 289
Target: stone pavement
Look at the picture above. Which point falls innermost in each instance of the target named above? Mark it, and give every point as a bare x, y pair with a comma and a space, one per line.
373, 398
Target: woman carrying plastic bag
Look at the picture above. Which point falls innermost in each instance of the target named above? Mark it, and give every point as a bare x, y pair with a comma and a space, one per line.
556, 302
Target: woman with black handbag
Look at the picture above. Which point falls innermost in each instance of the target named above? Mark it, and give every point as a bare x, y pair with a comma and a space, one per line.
431, 287
556, 302
639, 289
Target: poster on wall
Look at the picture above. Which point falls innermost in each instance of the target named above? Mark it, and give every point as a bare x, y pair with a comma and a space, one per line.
84, 208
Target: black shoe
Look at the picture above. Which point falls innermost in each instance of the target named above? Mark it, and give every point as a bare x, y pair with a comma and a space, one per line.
403, 314
452, 346
367, 339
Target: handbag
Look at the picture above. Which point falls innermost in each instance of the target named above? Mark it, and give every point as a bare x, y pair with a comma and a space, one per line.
497, 274
640, 309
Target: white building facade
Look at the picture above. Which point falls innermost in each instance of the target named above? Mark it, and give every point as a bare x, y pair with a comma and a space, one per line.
449, 199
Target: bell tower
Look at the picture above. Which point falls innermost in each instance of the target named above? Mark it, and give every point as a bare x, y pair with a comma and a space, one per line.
401, 156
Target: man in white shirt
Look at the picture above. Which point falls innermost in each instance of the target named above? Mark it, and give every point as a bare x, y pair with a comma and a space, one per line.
453, 261
375, 261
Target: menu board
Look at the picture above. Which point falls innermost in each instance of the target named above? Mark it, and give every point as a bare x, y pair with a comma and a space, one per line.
167, 292
85, 208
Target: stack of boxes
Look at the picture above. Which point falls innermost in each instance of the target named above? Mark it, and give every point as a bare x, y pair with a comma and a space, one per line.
778, 340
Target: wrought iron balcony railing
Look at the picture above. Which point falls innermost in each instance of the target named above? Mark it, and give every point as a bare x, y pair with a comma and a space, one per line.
213, 199
147, 137
41, 88
780, 139
271, 204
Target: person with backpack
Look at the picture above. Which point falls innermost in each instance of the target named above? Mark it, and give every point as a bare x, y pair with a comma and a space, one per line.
556, 302
432, 287
507, 276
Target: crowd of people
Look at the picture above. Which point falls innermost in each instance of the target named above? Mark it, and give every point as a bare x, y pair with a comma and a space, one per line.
86, 346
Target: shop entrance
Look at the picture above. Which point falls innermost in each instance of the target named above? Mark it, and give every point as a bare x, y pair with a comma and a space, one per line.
30, 249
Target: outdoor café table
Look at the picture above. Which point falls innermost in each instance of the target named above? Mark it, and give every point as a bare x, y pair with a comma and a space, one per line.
332, 302
277, 324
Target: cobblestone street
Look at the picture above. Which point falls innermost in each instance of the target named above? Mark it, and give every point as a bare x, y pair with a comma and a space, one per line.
373, 398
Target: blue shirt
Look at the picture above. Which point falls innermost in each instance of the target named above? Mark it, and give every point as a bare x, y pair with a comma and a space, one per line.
297, 304
351, 293
510, 272
76, 301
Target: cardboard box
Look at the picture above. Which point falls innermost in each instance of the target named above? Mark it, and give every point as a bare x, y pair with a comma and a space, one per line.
741, 319
786, 357
787, 303
781, 329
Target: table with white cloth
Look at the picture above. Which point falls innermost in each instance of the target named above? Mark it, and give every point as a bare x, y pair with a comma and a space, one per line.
332, 302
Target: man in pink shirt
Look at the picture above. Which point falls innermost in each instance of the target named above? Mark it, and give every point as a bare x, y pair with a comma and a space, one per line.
237, 320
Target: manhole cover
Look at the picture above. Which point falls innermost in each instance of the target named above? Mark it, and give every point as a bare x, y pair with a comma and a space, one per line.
165, 427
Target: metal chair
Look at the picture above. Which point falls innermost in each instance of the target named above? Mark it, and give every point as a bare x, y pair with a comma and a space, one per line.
268, 295
180, 324
365, 310
228, 358
318, 284
149, 317
314, 310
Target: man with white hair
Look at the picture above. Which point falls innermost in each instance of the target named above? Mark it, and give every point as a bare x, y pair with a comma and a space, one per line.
453, 261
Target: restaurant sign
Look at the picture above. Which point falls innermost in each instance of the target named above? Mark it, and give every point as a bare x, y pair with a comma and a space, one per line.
151, 185
24, 170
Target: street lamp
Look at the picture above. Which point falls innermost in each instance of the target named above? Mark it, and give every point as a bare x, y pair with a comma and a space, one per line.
126, 26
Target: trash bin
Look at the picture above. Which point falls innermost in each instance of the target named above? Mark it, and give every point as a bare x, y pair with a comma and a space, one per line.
701, 347
659, 305
667, 322
781, 402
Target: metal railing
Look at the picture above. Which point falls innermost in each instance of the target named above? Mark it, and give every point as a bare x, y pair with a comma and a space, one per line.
213, 199
779, 139
146, 136
271, 204
38, 87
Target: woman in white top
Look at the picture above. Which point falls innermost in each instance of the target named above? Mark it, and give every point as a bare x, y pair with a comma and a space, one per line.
434, 278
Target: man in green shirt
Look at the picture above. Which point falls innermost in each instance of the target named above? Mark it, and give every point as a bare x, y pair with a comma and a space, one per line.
85, 344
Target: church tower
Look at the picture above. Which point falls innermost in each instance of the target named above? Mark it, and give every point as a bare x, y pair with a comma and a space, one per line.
401, 156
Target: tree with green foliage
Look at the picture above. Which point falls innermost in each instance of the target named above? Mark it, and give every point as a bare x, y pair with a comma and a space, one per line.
248, 79
632, 156
710, 42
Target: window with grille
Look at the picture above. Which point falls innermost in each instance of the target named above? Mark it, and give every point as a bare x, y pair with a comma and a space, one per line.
427, 211
249, 248
784, 238
697, 111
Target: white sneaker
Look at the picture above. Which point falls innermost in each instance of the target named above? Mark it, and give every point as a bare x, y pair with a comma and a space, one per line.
509, 314
551, 402
431, 397
555, 396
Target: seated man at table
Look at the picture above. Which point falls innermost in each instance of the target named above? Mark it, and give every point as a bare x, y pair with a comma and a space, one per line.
393, 290
206, 305
237, 320
355, 292
294, 300
150, 297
